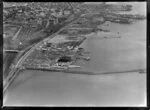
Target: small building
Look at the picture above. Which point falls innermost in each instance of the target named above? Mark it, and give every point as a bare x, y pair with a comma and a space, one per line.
70, 47
49, 44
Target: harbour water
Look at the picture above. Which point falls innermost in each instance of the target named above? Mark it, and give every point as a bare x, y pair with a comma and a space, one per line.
117, 54
37, 88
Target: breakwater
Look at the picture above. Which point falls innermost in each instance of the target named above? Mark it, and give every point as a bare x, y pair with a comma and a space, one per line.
86, 72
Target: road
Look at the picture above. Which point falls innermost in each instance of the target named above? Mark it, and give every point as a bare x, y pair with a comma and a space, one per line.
8, 81
14, 72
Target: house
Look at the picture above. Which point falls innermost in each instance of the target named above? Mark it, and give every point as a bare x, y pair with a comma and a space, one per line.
42, 14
